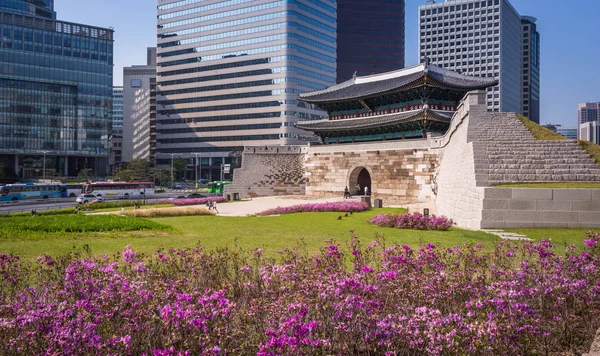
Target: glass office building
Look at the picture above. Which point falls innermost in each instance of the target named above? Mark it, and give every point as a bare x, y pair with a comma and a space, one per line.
370, 37
55, 92
229, 74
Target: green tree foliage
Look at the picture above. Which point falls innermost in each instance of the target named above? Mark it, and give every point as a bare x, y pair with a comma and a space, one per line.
179, 167
84, 175
160, 176
137, 170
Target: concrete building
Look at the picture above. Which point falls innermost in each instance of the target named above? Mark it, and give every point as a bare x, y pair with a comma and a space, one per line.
588, 122
56, 90
530, 68
137, 98
229, 74
370, 39
479, 38
587, 112
117, 129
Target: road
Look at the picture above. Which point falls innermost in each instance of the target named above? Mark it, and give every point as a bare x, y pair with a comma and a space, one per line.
40, 205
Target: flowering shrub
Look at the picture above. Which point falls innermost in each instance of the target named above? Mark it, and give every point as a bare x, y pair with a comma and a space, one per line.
340, 206
414, 221
393, 300
191, 201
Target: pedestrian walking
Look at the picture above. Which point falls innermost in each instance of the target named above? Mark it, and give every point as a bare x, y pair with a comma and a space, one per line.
366, 190
215, 206
347, 194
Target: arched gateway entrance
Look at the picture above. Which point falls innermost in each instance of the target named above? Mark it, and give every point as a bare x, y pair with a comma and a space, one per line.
358, 180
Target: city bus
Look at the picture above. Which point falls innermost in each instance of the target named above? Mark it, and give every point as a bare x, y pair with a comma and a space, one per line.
73, 190
123, 190
15, 192
217, 187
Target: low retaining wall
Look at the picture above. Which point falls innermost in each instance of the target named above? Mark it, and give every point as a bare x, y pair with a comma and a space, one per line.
540, 207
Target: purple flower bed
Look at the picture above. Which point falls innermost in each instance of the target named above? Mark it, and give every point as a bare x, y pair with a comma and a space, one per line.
191, 201
414, 221
517, 299
340, 206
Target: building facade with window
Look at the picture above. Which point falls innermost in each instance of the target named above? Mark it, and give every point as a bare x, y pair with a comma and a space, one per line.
229, 73
588, 122
117, 129
479, 38
370, 39
55, 90
530, 66
138, 81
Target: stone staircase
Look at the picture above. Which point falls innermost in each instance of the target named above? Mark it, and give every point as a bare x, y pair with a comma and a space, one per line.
506, 152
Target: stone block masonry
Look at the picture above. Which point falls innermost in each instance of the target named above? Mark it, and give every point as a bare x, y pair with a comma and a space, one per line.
270, 171
398, 174
540, 208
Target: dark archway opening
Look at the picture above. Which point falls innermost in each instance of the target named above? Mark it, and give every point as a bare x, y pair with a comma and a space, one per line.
358, 180
364, 180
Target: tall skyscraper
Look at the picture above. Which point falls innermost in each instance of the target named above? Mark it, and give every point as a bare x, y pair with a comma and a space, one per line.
117, 128
588, 122
137, 82
229, 74
530, 67
479, 38
56, 89
370, 37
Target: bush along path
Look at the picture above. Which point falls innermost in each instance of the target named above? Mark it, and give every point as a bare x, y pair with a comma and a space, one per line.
392, 300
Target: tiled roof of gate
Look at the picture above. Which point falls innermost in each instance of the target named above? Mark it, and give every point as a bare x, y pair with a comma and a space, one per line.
372, 121
368, 86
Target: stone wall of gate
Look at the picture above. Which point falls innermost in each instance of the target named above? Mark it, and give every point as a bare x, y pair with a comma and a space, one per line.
400, 171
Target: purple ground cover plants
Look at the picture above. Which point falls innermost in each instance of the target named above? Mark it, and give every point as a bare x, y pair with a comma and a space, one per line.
340, 206
347, 300
414, 221
191, 201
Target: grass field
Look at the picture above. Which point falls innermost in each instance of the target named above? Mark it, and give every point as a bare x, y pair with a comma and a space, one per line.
560, 237
272, 233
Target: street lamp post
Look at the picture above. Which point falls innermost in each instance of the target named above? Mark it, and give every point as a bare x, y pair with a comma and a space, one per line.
44, 165
172, 157
196, 154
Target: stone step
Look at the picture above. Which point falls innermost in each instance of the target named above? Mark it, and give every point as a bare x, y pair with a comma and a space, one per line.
540, 171
543, 178
541, 166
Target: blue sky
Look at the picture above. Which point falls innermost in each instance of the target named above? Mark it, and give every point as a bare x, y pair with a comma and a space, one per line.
569, 44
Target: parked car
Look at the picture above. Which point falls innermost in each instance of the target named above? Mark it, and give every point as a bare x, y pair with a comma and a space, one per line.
177, 186
203, 181
194, 196
87, 198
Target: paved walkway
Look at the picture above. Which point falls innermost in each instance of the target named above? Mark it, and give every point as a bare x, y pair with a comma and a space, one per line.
505, 235
256, 205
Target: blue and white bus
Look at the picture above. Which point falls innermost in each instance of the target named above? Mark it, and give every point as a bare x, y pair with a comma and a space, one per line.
14, 192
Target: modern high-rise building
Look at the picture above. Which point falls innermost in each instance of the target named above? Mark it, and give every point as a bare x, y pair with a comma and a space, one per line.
229, 74
588, 122
55, 90
530, 67
117, 128
137, 98
587, 112
370, 37
476, 37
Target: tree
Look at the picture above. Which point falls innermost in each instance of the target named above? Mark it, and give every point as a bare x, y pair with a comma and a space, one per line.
141, 170
84, 175
124, 175
179, 167
236, 157
160, 176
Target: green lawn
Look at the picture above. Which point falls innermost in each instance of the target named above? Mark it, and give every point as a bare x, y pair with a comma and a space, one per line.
550, 185
272, 233
560, 237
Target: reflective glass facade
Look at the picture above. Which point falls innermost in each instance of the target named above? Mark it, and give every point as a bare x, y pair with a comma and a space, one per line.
55, 94
370, 37
530, 66
229, 73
